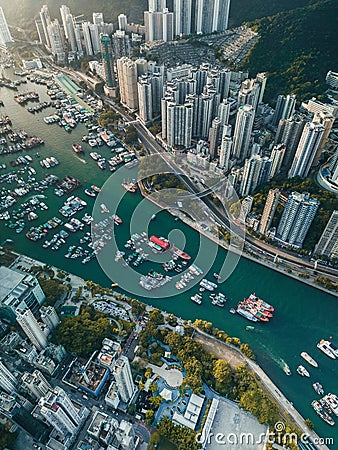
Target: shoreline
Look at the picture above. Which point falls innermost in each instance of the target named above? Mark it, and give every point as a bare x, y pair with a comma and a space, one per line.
270, 265
206, 340
235, 353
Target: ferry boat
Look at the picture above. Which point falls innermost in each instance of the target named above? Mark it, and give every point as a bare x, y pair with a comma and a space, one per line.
159, 244
318, 388
77, 148
322, 413
246, 314
302, 371
308, 359
324, 346
181, 253
253, 297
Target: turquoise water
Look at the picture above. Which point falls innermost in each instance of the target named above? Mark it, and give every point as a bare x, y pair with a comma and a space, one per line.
303, 315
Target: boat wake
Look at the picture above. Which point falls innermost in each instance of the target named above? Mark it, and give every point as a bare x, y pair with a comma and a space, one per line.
80, 159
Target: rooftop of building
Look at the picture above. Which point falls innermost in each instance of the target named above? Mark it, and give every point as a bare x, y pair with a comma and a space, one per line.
9, 281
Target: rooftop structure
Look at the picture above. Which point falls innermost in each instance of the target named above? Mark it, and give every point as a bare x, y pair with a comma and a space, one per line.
192, 413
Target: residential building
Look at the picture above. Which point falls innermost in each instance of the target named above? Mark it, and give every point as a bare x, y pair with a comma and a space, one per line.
214, 137
325, 119
298, 214
45, 21
332, 79
49, 317
127, 77
242, 133
8, 382
306, 150
58, 410
19, 291
121, 44
276, 157
289, 133
98, 19
211, 15
225, 152
124, 379
329, 237
36, 384
179, 120
333, 168
255, 172
5, 35
57, 42
91, 38
285, 108
123, 22
269, 210
159, 25
183, 17
107, 60
32, 328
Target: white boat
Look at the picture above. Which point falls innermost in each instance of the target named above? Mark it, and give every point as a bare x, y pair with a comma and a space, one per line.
302, 371
333, 348
104, 209
332, 402
308, 359
318, 388
324, 346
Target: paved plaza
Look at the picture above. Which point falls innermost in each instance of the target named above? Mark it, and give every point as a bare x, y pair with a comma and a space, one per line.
173, 377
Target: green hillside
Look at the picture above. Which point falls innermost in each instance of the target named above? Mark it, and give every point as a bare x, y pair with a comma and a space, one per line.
297, 48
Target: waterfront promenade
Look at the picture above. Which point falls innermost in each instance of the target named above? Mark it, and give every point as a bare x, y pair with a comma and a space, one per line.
225, 351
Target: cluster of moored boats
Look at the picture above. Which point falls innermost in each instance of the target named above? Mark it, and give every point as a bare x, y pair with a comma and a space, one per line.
47, 163
255, 309
328, 404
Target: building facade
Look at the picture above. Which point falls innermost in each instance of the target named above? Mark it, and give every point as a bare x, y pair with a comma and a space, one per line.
329, 238
298, 214
269, 211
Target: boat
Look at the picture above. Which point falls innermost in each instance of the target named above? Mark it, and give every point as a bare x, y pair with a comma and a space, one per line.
114, 284
253, 297
318, 408
77, 148
324, 346
217, 276
333, 348
129, 186
318, 388
308, 359
246, 314
95, 188
90, 192
331, 400
302, 371
196, 299
117, 219
232, 311
153, 217
104, 209
181, 253
249, 328
286, 369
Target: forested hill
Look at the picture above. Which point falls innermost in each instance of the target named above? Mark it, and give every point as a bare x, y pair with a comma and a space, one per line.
297, 48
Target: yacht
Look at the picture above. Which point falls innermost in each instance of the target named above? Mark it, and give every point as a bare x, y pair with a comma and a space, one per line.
318, 388
302, 371
324, 346
308, 359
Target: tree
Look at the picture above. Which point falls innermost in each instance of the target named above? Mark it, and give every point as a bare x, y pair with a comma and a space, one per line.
153, 387
156, 401
309, 424
223, 375
149, 417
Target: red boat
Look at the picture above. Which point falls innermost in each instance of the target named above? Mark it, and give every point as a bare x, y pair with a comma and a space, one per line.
253, 297
162, 242
78, 148
181, 253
